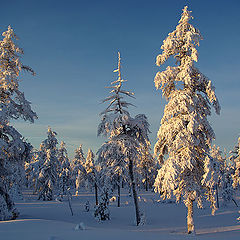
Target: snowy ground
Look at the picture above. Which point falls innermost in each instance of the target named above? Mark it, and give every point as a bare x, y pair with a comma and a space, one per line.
41, 220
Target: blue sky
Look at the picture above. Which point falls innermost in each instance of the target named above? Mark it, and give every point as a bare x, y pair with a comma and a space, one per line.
72, 46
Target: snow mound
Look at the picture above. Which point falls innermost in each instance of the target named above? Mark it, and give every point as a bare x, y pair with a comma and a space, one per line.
80, 226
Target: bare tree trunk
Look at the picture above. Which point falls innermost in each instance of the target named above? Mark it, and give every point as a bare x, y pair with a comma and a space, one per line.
119, 191
217, 196
146, 183
96, 193
190, 223
135, 197
70, 204
235, 202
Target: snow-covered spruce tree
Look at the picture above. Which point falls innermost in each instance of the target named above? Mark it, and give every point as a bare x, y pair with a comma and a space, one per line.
185, 134
64, 174
16, 181
213, 167
89, 173
91, 178
103, 183
111, 156
226, 183
221, 176
146, 166
215, 171
89, 167
33, 168
77, 165
235, 159
123, 130
13, 106
48, 175
27, 159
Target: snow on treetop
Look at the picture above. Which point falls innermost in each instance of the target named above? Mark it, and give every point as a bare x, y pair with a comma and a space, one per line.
116, 103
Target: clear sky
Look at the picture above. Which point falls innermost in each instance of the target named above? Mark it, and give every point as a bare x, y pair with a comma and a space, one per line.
72, 46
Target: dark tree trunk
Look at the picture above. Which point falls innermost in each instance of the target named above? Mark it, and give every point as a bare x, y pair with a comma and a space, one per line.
119, 191
217, 196
190, 223
118, 196
146, 182
96, 193
235, 202
135, 197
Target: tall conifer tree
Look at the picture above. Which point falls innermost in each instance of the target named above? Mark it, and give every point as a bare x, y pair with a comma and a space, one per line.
235, 158
64, 173
125, 133
13, 105
185, 134
77, 165
48, 175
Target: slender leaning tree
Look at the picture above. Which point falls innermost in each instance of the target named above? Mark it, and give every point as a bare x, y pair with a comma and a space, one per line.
125, 133
185, 134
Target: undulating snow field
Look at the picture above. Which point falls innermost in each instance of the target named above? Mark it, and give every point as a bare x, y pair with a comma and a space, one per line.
43, 220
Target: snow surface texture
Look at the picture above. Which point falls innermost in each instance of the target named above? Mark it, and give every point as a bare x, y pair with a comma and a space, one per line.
42, 220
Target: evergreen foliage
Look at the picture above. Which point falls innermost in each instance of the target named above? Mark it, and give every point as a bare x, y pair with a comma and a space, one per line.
146, 166
124, 132
89, 167
64, 175
77, 165
48, 173
32, 168
185, 133
13, 105
235, 158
